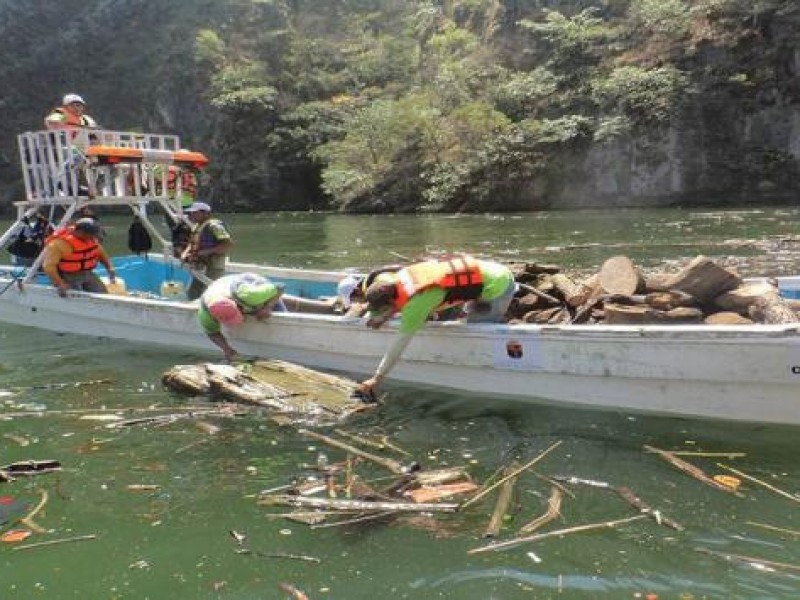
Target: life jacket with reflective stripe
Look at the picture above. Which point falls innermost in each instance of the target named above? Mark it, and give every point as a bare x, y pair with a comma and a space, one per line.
73, 120
459, 276
84, 255
188, 181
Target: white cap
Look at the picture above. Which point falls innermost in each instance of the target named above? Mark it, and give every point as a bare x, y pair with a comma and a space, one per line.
345, 289
70, 98
197, 206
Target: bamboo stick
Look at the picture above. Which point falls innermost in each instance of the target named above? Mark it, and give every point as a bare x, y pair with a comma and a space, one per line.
749, 559
691, 470
771, 488
503, 502
569, 530
553, 512
79, 538
708, 454
500, 482
355, 520
773, 528
640, 505
28, 521
344, 504
389, 463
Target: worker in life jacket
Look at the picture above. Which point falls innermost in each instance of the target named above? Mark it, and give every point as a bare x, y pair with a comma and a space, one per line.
231, 298
209, 245
351, 292
186, 175
70, 115
70, 256
483, 288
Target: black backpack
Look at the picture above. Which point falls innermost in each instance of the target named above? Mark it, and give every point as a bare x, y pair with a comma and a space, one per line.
139, 240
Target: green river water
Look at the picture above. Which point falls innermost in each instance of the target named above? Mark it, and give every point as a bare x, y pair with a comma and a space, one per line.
174, 542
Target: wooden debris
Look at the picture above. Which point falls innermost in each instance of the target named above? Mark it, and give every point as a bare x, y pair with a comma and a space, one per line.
691, 470
703, 279
764, 484
447, 490
772, 310
619, 275
503, 500
640, 505
393, 465
358, 505
28, 521
553, 512
28, 468
752, 560
525, 467
560, 532
292, 591
794, 532
79, 538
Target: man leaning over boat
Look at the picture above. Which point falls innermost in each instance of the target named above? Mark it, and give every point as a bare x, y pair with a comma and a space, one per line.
70, 256
483, 288
229, 299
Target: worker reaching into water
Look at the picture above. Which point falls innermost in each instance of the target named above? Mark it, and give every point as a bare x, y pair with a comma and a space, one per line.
483, 288
230, 298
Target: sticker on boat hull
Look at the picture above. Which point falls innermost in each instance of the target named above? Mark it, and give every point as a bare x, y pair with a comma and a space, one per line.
515, 353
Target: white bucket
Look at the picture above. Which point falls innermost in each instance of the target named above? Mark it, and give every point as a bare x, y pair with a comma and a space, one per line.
116, 288
171, 289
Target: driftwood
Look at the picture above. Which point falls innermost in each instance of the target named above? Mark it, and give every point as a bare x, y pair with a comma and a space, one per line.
553, 512
540, 536
500, 482
764, 484
393, 465
503, 501
28, 468
753, 560
794, 532
79, 538
619, 275
357, 505
691, 470
639, 504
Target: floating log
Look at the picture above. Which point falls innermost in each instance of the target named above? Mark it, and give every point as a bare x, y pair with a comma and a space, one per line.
619, 275
277, 385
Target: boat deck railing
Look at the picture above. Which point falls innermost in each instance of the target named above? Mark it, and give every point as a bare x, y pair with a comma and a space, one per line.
69, 169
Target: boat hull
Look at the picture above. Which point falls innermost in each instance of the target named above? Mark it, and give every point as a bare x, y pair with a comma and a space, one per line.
746, 373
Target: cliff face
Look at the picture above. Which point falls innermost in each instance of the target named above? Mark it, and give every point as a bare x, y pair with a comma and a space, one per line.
735, 138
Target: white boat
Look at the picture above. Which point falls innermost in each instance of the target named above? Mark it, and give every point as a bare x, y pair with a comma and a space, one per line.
743, 372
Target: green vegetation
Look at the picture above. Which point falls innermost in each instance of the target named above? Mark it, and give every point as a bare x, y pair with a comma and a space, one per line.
399, 105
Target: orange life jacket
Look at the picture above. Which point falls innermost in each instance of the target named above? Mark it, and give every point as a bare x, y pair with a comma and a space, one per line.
84, 255
72, 120
188, 181
459, 276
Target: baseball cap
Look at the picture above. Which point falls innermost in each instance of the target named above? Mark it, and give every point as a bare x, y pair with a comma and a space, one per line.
87, 225
70, 98
197, 206
345, 289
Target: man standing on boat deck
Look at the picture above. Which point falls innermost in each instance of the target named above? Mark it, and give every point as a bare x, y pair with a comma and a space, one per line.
70, 256
483, 288
228, 299
208, 249
70, 115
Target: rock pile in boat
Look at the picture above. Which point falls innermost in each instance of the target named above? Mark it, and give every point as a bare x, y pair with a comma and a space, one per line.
620, 294
290, 392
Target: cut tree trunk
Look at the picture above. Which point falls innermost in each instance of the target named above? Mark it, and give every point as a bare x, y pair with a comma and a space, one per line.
703, 279
743, 297
586, 290
727, 318
619, 275
772, 310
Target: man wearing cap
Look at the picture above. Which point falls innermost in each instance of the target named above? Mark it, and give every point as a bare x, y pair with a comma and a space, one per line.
208, 248
483, 288
70, 255
70, 115
230, 298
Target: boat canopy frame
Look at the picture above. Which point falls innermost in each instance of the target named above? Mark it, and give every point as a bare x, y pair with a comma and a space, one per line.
75, 168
